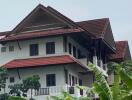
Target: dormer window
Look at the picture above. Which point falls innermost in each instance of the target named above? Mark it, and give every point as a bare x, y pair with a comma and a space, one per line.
34, 49
3, 49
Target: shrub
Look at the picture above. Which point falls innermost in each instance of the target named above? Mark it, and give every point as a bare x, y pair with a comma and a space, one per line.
4, 96
15, 98
31, 99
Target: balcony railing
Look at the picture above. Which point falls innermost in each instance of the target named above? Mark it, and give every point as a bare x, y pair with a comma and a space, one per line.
42, 91
57, 90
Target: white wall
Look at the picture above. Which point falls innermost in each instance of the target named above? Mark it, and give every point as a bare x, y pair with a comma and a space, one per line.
24, 52
42, 71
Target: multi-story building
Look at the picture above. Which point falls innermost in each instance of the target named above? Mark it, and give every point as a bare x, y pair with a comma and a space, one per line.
48, 44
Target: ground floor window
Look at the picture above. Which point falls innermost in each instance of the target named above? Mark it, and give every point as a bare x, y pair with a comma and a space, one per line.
51, 80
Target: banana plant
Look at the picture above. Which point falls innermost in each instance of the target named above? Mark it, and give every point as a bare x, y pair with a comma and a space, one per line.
64, 96
100, 86
121, 88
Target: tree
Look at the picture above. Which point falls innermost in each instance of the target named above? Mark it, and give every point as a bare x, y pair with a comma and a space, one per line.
32, 83
3, 77
18, 90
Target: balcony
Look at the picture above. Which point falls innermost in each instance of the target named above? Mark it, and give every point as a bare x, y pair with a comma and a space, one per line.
57, 90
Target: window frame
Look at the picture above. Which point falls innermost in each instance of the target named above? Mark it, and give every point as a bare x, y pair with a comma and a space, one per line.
34, 51
11, 48
74, 51
50, 80
70, 48
50, 47
3, 48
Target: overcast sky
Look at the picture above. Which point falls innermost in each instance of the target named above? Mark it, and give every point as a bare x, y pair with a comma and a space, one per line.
118, 11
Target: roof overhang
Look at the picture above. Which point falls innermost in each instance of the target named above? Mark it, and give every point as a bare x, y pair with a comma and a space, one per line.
32, 35
42, 61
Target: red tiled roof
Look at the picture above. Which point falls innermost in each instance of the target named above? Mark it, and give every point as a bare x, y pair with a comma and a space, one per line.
121, 47
22, 36
95, 27
42, 61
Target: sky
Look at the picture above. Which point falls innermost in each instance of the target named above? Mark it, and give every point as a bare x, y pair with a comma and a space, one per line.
118, 11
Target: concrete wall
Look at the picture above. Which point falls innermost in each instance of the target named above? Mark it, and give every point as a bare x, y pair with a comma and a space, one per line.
24, 52
42, 71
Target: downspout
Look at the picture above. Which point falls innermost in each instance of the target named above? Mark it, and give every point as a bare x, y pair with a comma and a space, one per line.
18, 74
18, 45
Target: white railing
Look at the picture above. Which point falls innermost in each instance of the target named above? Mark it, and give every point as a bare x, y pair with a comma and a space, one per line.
57, 90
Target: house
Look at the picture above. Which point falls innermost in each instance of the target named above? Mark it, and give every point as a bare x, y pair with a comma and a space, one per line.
48, 44
122, 52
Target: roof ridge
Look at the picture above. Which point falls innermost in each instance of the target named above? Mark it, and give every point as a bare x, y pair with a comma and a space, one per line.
92, 20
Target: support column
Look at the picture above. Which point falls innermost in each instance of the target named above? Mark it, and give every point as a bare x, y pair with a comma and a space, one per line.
95, 58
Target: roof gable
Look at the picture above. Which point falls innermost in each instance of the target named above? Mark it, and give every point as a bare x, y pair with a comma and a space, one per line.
122, 51
95, 27
41, 18
100, 28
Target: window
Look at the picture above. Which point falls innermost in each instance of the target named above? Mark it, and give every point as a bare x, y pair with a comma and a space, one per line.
3, 49
33, 49
76, 80
66, 75
12, 79
11, 48
50, 48
69, 48
70, 79
74, 51
79, 53
51, 80
73, 80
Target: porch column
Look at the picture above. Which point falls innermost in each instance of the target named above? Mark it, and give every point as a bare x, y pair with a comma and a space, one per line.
95, 58
100, 54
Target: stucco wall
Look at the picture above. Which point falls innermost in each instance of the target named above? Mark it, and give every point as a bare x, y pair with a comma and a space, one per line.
24, 51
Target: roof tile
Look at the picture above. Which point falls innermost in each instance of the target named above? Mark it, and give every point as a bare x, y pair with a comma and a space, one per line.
29, 35
42, 61
95, 27
121, 47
